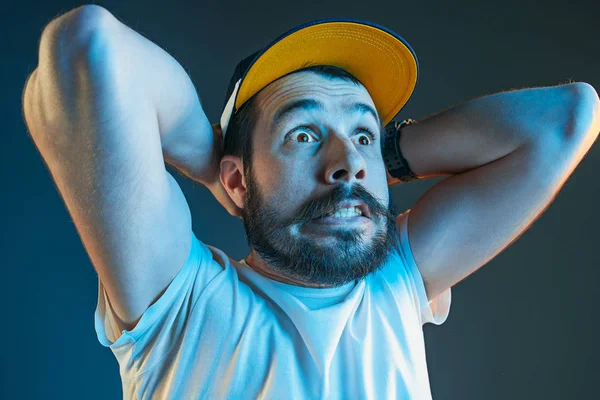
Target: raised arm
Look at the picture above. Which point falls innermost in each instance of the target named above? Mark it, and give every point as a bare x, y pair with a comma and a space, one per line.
102, 106
508, 154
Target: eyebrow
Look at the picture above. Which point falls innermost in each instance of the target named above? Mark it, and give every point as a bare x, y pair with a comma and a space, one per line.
312, 104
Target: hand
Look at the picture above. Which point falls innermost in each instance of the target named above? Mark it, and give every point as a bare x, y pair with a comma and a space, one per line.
390, 179
199, 158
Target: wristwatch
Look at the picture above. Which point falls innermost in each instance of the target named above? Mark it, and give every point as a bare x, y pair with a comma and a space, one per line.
395, 162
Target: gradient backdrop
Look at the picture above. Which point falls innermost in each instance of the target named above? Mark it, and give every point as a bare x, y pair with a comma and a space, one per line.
523, 327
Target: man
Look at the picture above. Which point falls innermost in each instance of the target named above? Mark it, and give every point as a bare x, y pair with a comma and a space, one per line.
331, 301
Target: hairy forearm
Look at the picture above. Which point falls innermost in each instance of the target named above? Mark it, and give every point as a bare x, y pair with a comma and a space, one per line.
480, 131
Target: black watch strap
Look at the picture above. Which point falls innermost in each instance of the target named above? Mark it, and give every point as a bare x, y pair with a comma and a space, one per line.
395, 162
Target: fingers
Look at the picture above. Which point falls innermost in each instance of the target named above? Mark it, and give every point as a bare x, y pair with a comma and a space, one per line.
217, 129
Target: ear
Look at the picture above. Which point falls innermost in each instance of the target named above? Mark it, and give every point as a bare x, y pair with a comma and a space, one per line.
232, 179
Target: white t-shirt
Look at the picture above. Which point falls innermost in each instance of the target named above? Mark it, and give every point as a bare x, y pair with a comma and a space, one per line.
223, 331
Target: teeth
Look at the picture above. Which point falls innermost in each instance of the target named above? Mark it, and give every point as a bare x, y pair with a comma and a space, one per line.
346, 212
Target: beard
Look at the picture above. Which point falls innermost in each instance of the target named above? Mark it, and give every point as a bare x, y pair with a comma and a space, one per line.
311, 259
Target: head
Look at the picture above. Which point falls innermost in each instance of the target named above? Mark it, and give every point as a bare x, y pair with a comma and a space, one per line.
305, 146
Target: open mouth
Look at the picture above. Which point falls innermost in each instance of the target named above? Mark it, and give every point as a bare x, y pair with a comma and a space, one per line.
347, 210
343, 216
344, 213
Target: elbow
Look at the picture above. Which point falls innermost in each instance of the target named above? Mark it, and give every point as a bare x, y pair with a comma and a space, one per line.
585, 111
71, 48
74, 33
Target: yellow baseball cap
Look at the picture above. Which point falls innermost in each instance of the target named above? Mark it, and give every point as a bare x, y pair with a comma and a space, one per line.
379, 58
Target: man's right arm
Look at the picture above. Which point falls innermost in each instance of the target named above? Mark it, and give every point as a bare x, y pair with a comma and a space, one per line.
106, 108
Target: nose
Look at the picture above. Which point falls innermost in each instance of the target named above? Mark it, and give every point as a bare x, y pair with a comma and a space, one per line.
343, 162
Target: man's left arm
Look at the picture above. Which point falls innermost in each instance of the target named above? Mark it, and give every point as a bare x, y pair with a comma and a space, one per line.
508, 155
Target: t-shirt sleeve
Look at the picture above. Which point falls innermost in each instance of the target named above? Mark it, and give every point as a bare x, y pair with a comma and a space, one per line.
163, 322
434, 310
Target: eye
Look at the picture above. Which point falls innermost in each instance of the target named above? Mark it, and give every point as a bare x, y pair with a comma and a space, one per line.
365, 138
302, 135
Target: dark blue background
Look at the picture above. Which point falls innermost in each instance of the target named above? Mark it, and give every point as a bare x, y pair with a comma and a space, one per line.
525, 326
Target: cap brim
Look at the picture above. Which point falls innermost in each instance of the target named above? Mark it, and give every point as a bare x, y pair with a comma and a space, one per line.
384, 63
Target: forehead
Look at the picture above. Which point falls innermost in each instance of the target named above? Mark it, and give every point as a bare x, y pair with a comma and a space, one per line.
312, 92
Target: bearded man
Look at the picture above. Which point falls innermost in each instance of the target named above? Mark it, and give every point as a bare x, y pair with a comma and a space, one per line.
331, 301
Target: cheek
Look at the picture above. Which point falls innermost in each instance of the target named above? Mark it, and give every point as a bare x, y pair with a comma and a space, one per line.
376, 171
291, 187
284, 183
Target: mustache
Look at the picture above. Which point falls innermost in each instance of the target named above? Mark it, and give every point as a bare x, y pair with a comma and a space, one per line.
327, 202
